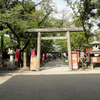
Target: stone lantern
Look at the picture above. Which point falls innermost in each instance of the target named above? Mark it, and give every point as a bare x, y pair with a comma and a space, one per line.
95, 47
11, 52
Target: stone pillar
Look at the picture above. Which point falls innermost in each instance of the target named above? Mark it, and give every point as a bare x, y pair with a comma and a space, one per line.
24, 60
38, 50
92, 66
25, 67
69, 50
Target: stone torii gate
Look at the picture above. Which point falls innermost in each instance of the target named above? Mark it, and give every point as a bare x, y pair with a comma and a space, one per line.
67, 30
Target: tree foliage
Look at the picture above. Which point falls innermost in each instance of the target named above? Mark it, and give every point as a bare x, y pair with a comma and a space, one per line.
17, 16
6, 40
83, 12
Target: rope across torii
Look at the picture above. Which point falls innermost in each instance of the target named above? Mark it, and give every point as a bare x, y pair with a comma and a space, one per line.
50, 30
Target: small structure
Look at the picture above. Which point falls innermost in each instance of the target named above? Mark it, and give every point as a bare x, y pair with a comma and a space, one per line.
95, 47
11, 52
96, 53
74, 59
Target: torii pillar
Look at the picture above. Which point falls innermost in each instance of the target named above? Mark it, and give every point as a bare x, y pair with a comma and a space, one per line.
38, 51
69, 50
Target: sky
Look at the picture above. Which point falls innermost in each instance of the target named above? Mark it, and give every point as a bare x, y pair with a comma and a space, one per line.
60, 4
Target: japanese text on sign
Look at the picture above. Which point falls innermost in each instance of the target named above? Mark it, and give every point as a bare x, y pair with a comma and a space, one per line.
81, 54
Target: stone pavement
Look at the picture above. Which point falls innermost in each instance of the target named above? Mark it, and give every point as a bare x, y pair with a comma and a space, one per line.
55, 65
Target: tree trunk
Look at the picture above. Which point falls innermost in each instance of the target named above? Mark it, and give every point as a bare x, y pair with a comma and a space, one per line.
1, 52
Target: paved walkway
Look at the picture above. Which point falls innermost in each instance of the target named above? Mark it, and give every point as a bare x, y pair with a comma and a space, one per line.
55, 65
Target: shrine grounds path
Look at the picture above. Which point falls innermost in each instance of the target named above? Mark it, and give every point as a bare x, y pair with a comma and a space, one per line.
55, 65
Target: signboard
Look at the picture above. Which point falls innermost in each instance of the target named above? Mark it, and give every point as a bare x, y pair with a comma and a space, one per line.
32, 52
17, 55
81, 54
65, 54
94, 59
74, 61
33, 63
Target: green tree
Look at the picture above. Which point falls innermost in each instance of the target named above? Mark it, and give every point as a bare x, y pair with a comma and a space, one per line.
83, 12
19, 16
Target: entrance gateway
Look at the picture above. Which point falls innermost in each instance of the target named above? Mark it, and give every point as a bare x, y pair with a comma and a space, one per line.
67, 30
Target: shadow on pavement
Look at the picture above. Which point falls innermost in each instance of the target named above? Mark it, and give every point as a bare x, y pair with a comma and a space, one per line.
8, 72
